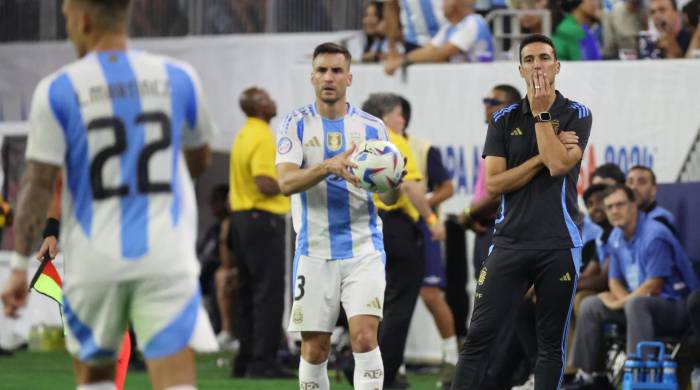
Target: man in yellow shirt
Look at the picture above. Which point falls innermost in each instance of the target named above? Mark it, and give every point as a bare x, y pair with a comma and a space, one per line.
257, 239
403, 241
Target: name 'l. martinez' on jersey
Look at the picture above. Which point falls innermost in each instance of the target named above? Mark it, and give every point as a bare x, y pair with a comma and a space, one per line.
334, 219
116, 122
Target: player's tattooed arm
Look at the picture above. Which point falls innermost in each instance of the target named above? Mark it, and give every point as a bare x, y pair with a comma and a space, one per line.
34, 199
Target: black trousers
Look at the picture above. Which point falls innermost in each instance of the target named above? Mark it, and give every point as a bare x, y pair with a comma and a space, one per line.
405, 265
257, 241
502, 282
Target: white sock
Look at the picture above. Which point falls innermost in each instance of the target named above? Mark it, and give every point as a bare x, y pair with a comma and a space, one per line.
105, 385
369, 370
313, 376
450, 353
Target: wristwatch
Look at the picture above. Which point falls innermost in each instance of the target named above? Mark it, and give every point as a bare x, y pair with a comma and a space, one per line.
543, 117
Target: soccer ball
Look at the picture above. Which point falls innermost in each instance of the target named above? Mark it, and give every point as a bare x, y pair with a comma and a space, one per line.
379, 165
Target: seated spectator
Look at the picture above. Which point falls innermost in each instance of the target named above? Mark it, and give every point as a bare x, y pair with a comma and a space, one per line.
642, 181
413, 22
608, 174
621, 26
650, 278
674, 38
691, 20
373, 27
529, 24
466, 38
573, 37
594, 274
209, 255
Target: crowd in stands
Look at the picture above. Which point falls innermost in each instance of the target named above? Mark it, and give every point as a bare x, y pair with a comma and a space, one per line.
401, 33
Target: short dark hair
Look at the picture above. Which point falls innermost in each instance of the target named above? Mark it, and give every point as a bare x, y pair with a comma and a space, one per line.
692, 11
332, 48
609, 171
534, 38
619, 187
380, 104
512, 93
219, 192
645, 169
245, 101
379, 6
109, 13
405, 109
592, 190
569, 6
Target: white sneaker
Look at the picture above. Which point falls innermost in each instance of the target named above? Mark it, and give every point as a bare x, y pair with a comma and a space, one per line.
226, 342
528, 385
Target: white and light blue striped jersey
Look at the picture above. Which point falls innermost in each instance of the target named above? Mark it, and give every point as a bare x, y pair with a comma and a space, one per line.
116, 122
471, 35
333, 219
421, 20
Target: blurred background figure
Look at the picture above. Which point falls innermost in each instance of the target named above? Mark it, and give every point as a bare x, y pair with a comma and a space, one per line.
621, 27
373, 26
412, 22
257, 239
608, 174
691, 21
529, 24
575, 38
209, 251
465, 37
673, 38
438, 185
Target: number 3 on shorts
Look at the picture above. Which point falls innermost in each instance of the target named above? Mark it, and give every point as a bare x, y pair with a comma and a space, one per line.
300, 287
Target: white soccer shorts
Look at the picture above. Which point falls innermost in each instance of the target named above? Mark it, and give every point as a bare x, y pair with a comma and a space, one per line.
320, 286
163, 311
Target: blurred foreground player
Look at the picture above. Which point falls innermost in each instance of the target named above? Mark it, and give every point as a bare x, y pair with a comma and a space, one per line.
116, 120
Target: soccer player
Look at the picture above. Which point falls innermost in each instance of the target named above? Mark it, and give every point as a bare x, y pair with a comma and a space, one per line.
537, 240
339, 250
116, 121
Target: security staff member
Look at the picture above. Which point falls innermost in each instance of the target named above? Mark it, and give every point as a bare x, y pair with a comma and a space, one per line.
536, 238
257, 239
405, 261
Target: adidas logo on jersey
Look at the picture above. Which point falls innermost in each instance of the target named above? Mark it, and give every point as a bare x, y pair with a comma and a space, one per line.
375, 304
313, 143
517, 131
565, 278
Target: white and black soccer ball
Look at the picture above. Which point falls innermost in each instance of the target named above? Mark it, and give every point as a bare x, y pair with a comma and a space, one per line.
379, 165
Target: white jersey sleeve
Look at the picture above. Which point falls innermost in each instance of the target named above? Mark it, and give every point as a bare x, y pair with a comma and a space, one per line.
466, 33
441, 37
199, 126
289, 141
46, 142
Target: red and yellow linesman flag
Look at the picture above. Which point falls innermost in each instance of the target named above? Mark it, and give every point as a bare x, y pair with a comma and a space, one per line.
47, 281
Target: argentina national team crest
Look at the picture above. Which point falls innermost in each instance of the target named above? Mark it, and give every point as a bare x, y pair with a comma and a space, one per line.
334, 141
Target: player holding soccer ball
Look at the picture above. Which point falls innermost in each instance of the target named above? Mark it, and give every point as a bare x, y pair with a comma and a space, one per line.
339, 250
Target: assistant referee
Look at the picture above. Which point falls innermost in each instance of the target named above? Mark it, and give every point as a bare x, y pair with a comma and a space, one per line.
537, 239
257, 239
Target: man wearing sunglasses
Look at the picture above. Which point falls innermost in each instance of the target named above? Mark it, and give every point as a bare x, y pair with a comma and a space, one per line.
481, 213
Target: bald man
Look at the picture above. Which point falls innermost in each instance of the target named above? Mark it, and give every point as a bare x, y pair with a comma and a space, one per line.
256, 238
